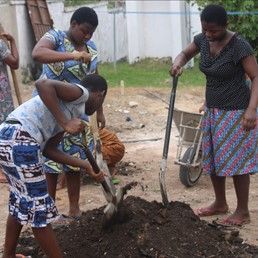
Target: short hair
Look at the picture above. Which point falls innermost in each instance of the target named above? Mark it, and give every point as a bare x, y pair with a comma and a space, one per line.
85, 14
214, 14
94, 83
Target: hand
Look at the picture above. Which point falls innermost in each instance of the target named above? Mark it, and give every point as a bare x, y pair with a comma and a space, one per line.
176, 70
202, 108
101, 120
99, 177
7, 36
74, 126
249, 119
82, 56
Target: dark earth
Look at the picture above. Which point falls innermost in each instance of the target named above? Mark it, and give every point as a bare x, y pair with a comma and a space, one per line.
149, 230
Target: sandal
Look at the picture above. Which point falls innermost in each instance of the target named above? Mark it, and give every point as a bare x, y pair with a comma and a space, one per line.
22, 256
62, 220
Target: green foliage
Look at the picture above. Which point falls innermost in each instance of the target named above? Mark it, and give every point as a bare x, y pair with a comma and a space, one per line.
245, 24
148, 73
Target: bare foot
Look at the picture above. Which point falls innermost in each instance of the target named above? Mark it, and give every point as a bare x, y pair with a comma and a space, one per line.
211, 210
75, 214
236, 219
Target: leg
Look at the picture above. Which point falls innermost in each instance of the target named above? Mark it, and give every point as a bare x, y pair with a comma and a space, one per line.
47, 241
13, 230
51, 184
73, 188
2, 177
219, 206
241, 214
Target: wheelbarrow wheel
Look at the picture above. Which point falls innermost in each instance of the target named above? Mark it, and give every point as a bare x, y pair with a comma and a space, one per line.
189, 175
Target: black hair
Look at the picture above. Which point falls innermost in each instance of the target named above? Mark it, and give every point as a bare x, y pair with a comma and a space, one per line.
85, 14
214, 14
95, 82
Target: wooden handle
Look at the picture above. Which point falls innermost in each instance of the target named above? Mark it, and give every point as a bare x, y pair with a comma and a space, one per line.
16, 87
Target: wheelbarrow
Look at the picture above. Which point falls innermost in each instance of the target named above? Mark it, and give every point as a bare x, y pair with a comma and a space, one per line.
189, 153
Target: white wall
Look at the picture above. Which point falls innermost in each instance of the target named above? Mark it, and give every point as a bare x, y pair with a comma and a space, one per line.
15, 19
158, 28
140, 32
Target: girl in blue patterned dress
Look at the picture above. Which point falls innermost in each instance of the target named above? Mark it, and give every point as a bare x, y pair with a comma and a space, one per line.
35, 128
229, 125
68, 56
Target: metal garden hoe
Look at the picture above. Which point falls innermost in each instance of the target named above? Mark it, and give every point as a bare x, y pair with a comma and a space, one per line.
163, 164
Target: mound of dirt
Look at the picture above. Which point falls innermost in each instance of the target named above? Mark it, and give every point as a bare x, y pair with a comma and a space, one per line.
150, 230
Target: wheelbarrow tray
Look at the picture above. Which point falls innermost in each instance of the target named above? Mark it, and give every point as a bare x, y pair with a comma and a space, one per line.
189, 121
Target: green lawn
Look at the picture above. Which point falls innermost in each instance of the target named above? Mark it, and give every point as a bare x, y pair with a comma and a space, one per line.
148, 72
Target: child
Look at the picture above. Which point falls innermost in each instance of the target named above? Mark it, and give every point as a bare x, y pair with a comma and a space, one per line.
34, 127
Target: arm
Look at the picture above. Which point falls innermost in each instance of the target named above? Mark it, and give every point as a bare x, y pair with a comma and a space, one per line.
44, 52
50, 91
250, 66
52, 152
101, 120
187, 54
13, 59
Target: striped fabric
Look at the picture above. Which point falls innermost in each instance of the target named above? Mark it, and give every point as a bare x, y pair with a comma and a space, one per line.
228, 150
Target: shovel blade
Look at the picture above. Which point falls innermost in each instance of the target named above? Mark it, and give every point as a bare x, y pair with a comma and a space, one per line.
162, 181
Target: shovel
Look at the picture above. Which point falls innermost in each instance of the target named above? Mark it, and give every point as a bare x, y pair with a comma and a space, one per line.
113, 196
163, 164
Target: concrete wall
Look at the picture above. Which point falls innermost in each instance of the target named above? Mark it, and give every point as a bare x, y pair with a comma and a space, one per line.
146, 29
15, 19
158, 28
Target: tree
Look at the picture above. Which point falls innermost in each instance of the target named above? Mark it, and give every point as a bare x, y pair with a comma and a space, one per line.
243, 23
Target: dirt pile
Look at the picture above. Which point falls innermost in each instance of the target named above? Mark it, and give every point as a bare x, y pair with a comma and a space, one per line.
149, 231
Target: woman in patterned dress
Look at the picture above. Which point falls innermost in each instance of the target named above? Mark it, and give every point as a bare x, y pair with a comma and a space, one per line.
10, 58
69, 56
229, 126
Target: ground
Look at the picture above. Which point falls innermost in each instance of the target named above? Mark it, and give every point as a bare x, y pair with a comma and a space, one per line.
142, 129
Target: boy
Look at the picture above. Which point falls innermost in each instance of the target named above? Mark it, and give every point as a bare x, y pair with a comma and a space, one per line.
36, 127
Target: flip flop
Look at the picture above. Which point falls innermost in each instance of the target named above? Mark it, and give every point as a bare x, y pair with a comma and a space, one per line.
22, 256
62, 219
205, 212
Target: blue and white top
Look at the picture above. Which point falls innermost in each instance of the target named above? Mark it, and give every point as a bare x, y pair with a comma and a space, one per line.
69, 70
39, 122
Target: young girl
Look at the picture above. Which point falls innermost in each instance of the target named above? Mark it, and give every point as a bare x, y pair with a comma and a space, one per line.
36, 127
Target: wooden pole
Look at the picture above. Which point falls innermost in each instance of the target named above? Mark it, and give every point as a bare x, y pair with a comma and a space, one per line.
16, 87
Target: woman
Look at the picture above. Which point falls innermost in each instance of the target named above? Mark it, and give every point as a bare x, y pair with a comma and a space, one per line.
69, 56
229, 125
10, 58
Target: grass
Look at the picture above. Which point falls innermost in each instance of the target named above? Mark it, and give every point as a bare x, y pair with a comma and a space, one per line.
148, 72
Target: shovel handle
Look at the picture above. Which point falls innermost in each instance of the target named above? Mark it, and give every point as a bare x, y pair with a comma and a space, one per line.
96, 168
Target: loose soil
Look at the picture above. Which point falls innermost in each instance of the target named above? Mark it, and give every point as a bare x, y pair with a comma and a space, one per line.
150, 229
